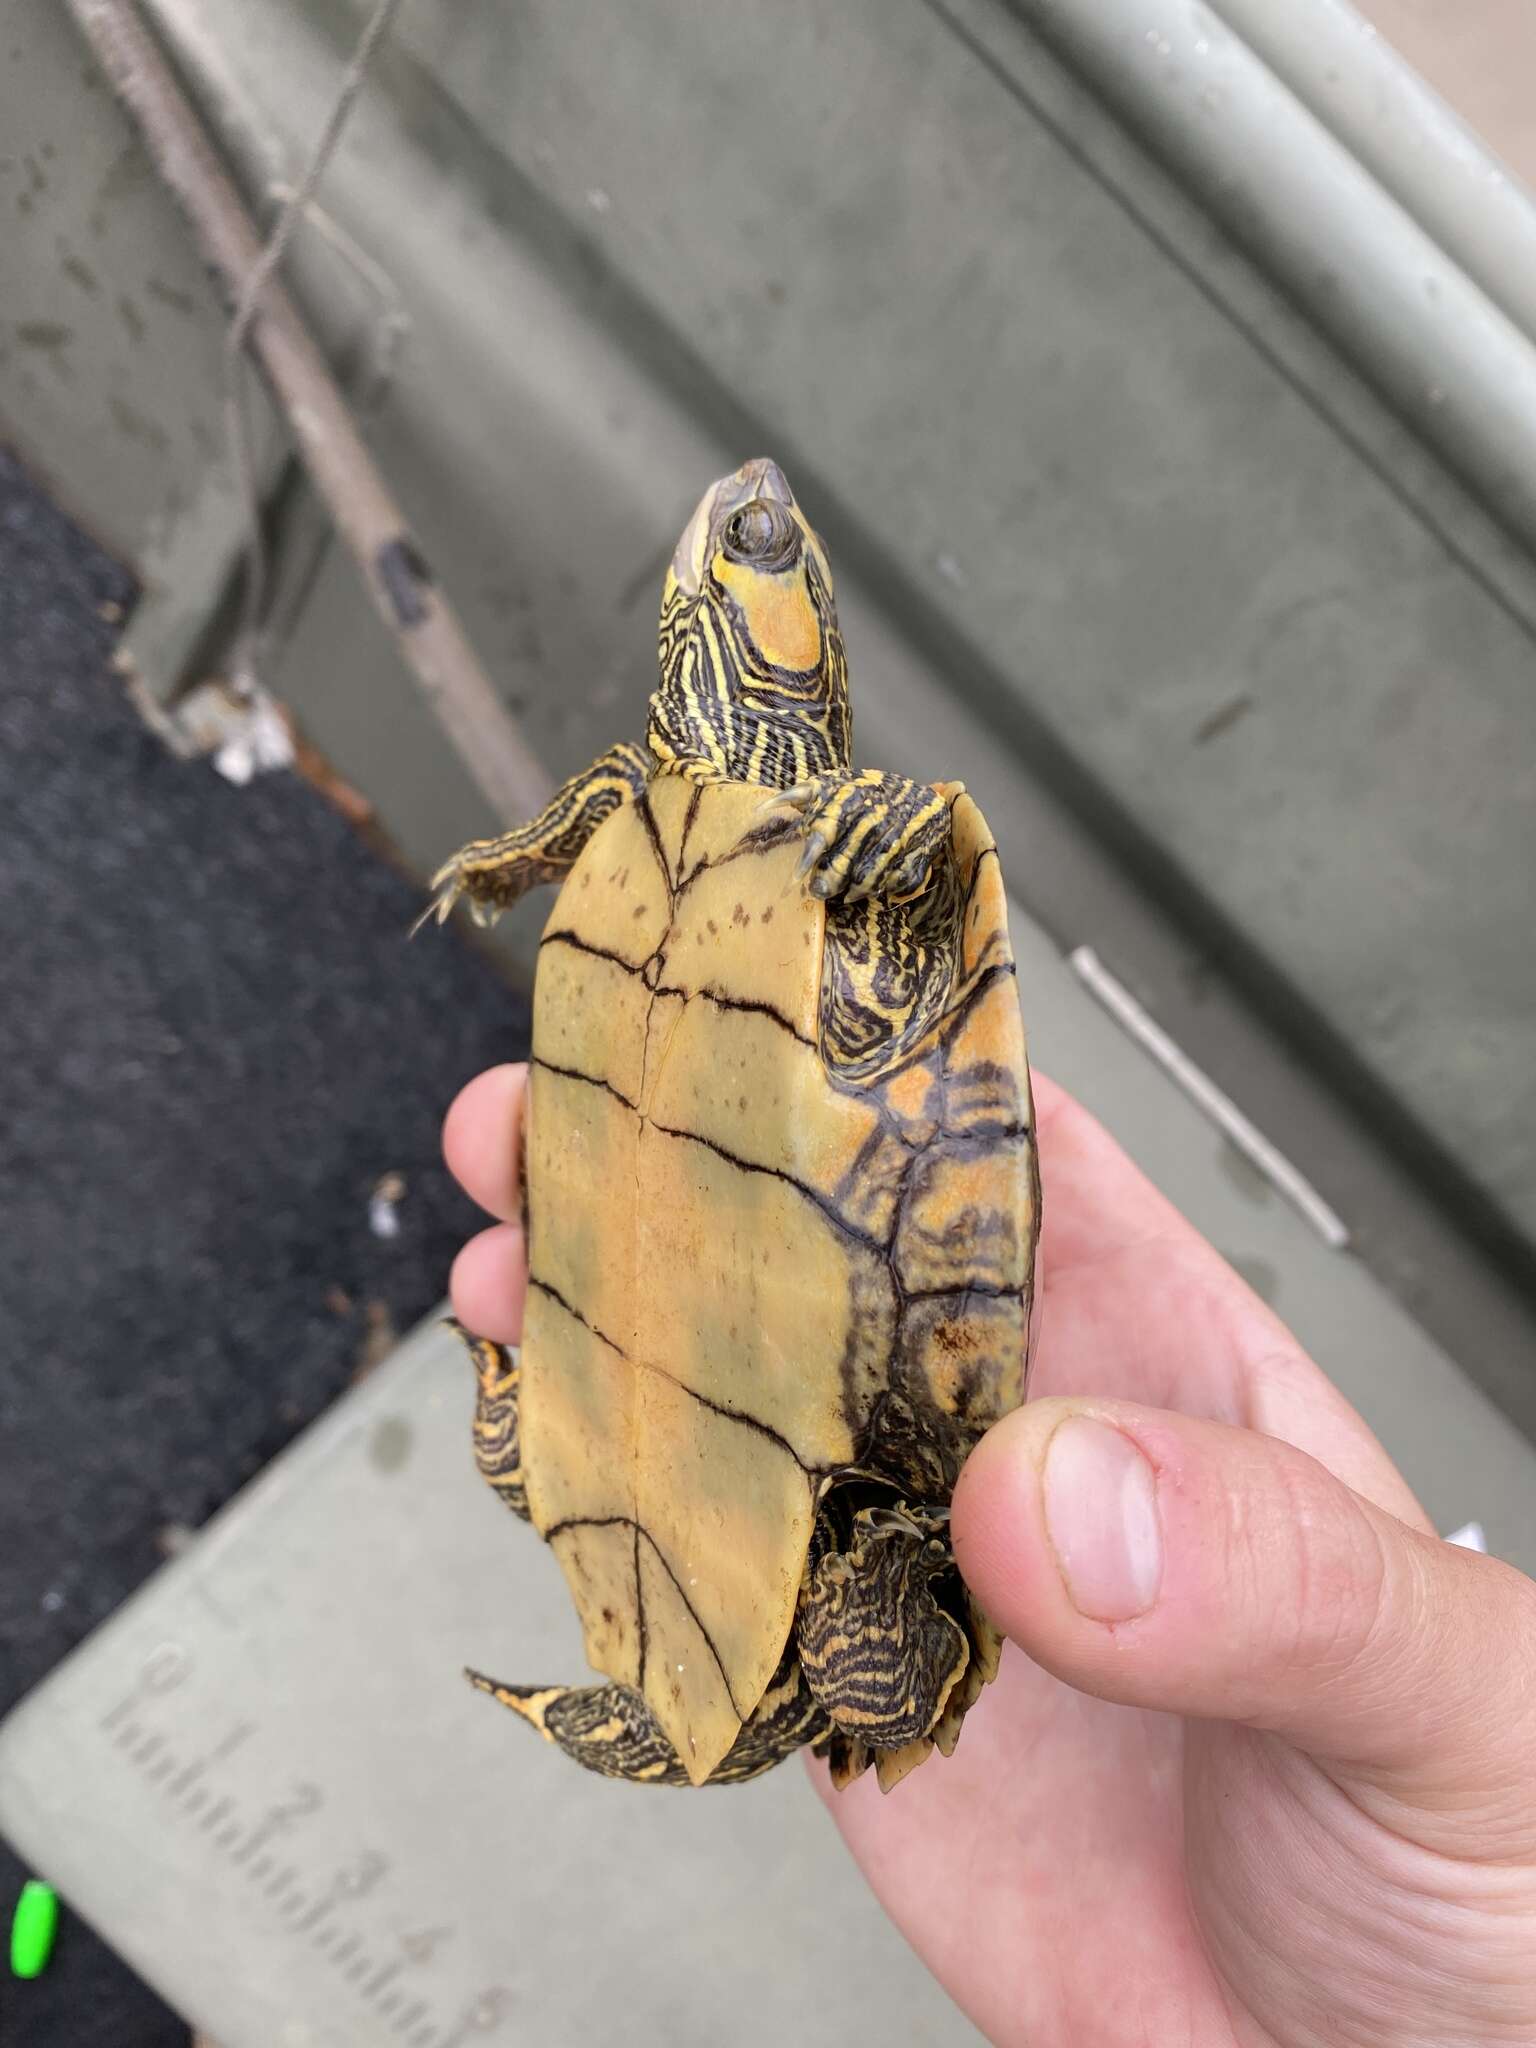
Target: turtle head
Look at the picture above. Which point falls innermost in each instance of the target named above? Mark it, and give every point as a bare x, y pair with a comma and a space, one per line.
749, 634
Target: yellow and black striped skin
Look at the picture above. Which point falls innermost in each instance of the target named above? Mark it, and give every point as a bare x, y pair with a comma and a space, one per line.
491, 874
881, 1656
874, 1648
754, 680
609, 1729
498, 1447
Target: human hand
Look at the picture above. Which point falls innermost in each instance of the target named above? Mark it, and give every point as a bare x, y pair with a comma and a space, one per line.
1271, 1779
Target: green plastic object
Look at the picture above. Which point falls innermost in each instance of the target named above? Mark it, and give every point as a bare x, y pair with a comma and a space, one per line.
33, 1926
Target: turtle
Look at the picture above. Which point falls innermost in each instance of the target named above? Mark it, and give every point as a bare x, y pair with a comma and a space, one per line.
780, 1193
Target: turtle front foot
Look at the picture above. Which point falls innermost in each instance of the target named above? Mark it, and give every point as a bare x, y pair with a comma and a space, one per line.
489, 875
869, 835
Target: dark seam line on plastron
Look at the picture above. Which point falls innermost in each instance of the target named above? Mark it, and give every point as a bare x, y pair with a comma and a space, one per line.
630, 1522
742, 1003
716, 1407
818, 1202
971, 885
580, 945
749, 848
883, 1132
953, 1018
955, 1141
688, 817
736, 1415
709, 1640
899, 1216
589, 1522
576, 1316
591, 1080
648, 819
640, 1612
982, 1288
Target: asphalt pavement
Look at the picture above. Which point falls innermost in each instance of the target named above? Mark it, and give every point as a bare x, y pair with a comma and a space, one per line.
216, 1044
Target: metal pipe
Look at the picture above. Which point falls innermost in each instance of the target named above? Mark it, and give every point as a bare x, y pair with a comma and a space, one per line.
1316, 220
1212, 1101
1416, 146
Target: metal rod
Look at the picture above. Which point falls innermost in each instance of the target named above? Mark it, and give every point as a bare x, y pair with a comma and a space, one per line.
1387, 293
1420, 149
1204, 1093
477, 723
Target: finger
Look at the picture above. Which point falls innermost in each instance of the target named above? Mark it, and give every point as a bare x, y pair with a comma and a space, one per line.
488, 1283
482, 1140
1136, 1305
1098, 1201
1184, 1565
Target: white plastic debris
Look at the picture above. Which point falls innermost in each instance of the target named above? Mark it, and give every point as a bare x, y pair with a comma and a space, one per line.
243, 731
384, 1205
259, 744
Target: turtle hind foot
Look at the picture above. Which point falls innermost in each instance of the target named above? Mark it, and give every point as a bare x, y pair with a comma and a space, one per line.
847, 1758
894, 1648
604, 1728
881, 1654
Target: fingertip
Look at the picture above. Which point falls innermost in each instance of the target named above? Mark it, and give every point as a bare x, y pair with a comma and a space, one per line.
489, 1282
481, 1138
996, 1519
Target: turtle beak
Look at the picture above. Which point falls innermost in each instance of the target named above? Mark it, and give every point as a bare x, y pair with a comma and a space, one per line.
761, 478
764, 479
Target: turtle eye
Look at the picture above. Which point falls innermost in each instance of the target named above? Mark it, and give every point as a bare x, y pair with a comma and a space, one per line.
761, 533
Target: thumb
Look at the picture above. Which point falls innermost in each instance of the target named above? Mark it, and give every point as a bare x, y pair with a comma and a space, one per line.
1201, 1569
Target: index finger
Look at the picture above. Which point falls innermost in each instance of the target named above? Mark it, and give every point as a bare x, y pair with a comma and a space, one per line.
482, 1140
1096, 1201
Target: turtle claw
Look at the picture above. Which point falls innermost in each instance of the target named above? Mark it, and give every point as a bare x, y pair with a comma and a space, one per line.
450, 885
440, 906
815, 846
868, 835
802, 794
